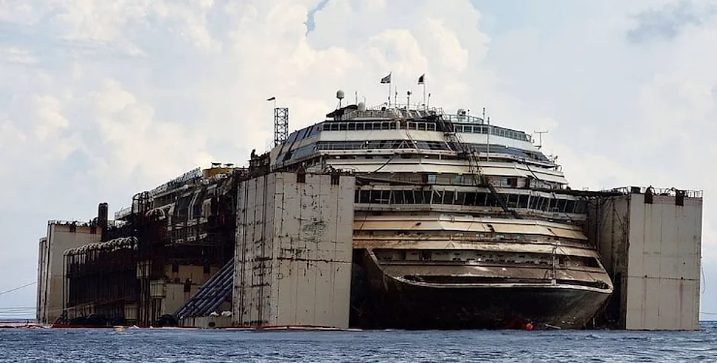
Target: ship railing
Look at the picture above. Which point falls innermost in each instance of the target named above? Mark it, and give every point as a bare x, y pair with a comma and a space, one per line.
64, 222
463, 119
124, 212
658, 191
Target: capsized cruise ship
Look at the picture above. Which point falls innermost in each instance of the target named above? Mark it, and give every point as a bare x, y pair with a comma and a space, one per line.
458, 223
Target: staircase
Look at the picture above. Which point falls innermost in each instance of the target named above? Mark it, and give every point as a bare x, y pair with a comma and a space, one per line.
211, 295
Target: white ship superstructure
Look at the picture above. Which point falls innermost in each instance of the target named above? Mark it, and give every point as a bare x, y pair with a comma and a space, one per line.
460, 221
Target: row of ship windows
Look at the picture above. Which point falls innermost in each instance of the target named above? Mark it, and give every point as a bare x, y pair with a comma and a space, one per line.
377, 125
424, 145
421, 126
498, 131
486, 257
382, 144
478, 199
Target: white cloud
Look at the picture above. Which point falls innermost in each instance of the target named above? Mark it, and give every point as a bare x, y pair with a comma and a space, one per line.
15, 55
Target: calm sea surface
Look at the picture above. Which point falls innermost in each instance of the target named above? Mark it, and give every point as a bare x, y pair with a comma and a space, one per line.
174, 345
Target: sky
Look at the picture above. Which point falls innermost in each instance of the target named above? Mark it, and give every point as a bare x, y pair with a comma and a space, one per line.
100, 99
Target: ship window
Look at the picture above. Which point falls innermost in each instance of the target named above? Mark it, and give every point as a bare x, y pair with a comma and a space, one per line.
480, 199
449, 197
380, 196
343, 127
561, 205
569, 206
417, 197
461, 198
365, 196
352, 126
470, 199
580, 206
512, 200
408, 196
397, 197
426, 196
492, 200
553, 205
523, 201
392, 125
437, 197
359, 126
356, 196
534, 202
422, 126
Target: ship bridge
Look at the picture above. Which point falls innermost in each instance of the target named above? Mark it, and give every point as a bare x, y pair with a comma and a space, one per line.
404, 140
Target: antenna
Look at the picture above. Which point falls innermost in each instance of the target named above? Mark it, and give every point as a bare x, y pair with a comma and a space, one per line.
540, 138
483, 114
408, 99
281, 125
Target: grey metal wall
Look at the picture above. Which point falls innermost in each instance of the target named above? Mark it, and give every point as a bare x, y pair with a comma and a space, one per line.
61, 236
653, 251
294, 250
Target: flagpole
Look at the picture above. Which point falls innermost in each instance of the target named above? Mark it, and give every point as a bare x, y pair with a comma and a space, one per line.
425, 106
395, 97
389, 91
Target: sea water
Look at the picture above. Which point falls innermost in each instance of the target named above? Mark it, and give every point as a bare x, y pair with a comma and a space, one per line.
193, 345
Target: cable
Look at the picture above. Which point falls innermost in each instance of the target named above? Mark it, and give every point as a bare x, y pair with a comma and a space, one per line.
17, 288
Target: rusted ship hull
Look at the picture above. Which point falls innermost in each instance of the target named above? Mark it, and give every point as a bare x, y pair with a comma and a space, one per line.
381, 301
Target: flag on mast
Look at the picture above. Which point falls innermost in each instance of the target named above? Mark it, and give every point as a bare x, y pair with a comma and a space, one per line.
421, 79
271, 99
386, 79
